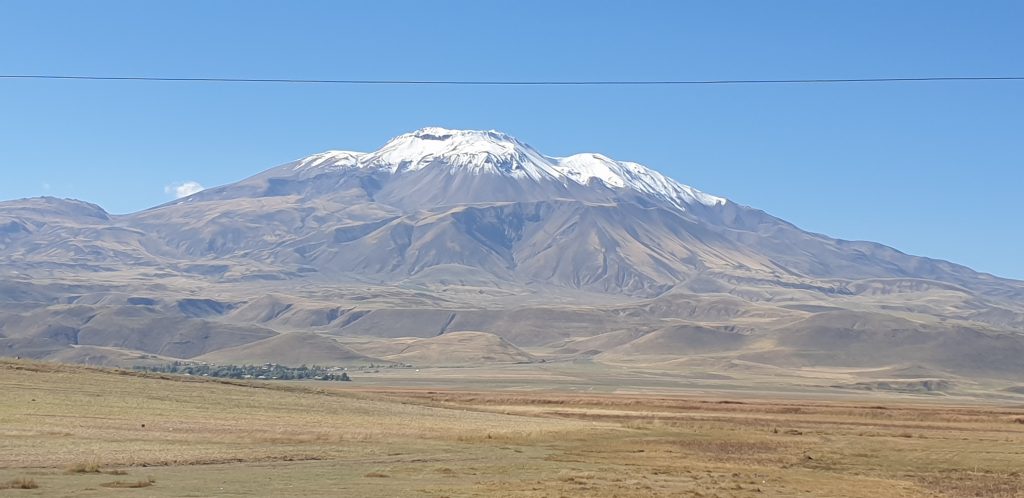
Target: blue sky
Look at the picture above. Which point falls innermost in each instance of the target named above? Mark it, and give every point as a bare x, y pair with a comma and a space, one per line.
934, 169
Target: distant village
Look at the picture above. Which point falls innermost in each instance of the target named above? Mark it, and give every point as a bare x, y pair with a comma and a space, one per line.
267, 371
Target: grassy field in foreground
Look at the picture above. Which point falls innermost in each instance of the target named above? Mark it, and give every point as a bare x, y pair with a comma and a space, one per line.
76, 431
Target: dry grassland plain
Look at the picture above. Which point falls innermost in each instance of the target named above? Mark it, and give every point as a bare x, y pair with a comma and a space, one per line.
80, 431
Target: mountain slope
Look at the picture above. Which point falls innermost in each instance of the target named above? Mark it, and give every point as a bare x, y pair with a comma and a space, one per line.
293, 349
443, 230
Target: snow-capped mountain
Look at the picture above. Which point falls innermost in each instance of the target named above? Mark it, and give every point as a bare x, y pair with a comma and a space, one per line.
494, 153
496, 207
441, 230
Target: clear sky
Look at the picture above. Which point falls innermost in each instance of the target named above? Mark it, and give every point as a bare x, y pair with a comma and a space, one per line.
934, 169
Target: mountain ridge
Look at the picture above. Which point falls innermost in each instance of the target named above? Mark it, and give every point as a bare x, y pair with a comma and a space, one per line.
443, 230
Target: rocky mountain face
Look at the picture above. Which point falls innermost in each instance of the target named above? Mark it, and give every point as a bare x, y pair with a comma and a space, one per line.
443, 231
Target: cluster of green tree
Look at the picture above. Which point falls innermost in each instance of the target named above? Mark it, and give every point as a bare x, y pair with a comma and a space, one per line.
269, 371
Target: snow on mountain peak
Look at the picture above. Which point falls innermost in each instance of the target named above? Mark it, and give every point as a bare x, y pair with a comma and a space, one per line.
332, 159
494, 152
585, 168
475, 151
582, 168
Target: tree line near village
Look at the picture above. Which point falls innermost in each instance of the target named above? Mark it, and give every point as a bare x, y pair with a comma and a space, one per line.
269, 371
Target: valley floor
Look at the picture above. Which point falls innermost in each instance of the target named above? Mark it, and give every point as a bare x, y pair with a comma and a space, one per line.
80, 431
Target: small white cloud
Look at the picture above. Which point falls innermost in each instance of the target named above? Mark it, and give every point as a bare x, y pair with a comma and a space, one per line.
46, 187
183, 189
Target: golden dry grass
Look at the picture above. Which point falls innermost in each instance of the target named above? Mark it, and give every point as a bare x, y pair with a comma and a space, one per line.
821, 447
89, 467
86, 419
144, 483
19, 483
69, 427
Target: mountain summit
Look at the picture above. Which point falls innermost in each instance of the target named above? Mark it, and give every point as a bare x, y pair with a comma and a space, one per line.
456, 152
454, 230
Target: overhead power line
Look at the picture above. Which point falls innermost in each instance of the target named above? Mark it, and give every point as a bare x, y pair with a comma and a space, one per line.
510, 83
